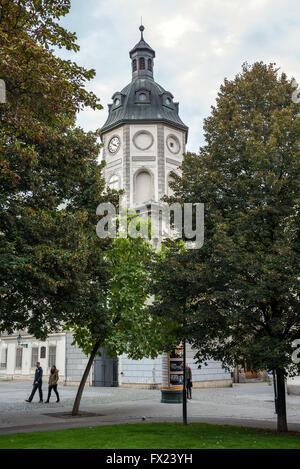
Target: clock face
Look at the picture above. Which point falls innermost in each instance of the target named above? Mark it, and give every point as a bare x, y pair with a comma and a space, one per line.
114, 144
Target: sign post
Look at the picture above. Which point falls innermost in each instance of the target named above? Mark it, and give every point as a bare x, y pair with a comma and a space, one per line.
275, 392
173, 376
184, 400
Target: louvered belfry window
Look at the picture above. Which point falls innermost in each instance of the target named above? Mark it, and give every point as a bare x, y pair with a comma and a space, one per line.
142, 63
134, 65
150, 65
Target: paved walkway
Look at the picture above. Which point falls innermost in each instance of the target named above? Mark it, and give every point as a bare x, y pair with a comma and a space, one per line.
244, 404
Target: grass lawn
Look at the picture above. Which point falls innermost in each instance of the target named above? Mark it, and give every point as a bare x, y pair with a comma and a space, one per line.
153, 436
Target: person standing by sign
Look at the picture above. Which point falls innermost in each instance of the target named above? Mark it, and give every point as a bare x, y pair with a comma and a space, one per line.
37, 383
189, 384
53, 380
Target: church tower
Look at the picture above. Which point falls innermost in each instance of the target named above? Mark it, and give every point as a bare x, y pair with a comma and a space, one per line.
144, 140
143, 137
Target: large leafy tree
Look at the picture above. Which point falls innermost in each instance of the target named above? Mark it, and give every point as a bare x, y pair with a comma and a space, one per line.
50, 181
243, 302
121, 321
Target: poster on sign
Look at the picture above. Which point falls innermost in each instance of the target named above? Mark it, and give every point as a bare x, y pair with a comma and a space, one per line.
176, 369
176, 365
177, 353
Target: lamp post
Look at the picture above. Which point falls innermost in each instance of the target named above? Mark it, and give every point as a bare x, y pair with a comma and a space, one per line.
275, 392
184, 401
19, 338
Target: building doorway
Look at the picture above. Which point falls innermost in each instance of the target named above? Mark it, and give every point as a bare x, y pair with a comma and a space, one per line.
105, 371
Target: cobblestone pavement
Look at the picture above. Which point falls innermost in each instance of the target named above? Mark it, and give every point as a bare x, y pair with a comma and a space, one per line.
14, 393
244, 404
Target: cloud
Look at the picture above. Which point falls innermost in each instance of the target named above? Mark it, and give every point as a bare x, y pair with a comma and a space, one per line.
197, 42
172, 30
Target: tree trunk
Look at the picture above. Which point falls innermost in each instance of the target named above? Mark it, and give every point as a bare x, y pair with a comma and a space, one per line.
84, 378
281, 403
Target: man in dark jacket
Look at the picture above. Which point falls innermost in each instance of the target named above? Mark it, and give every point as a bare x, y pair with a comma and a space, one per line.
37, 383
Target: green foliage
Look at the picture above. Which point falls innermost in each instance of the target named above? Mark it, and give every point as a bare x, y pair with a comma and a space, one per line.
50, 181
243, 285
172, 286
122, 321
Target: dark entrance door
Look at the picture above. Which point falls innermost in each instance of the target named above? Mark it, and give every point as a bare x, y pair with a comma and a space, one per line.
105, 370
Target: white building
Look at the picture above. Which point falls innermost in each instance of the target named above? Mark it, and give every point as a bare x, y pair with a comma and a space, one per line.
144, 140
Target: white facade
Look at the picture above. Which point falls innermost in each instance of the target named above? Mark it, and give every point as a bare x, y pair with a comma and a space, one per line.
18, 358
133, 164
147, 373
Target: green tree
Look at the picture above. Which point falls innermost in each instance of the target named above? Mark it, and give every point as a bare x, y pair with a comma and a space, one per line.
244, 298
50, 181
120, 322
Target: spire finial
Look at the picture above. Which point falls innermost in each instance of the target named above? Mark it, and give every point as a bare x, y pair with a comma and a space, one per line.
141, 28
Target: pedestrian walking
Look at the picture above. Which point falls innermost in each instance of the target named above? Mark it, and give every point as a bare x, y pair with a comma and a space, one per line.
37, 383
189, 383
270, 377
53, 380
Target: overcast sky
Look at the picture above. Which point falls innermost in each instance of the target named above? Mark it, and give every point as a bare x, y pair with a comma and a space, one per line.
197, 42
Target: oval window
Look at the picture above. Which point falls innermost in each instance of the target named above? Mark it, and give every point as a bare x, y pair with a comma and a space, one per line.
143, 140
173, 144
142, 97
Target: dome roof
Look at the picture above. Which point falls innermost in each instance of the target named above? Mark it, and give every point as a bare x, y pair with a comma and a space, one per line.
143, 100
158, 106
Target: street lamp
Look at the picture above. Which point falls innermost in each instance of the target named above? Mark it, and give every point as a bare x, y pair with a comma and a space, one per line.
275, 392
184, 400
19, 338
184, 396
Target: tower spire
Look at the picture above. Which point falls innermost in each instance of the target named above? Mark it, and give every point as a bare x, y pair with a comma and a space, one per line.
142, 56
142, 29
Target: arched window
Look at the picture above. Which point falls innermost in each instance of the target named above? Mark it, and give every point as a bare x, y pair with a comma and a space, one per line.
113, 183
143, 189
3, 363
19, 354
134, 65
150, 65
52, 356
34, 356
142, 63
43, 352
170, 190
